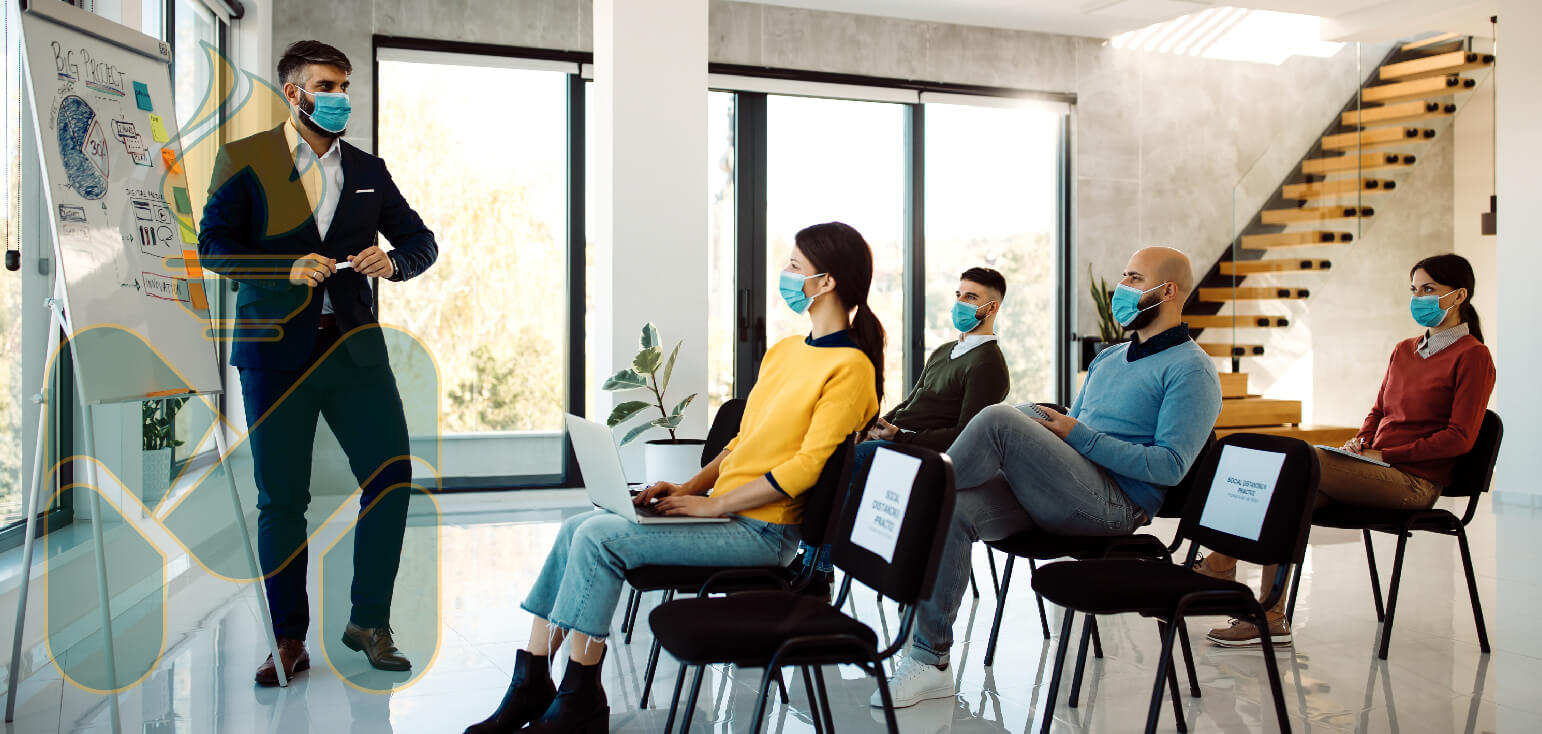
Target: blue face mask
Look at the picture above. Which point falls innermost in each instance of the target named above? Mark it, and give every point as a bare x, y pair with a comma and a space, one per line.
330, 112
1426, 310
1126, 303
966, 316
791, 286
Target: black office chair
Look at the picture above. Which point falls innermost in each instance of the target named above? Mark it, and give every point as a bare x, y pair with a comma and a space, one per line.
1471, 479
770, 630
1037, 546
673, 580
1169, 592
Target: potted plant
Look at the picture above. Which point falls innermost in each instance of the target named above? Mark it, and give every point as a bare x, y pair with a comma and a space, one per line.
159, 417
672, 459
1109, 330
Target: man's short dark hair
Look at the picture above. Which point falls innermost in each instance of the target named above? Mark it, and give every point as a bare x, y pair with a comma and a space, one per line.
988, 278
301, 54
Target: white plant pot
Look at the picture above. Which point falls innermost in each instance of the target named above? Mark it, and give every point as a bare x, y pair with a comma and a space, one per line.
155, 473
666, 461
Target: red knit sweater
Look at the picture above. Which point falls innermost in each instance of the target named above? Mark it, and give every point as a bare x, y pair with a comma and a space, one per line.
1428, 411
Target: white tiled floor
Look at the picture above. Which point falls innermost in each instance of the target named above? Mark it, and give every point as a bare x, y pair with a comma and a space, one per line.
1435, 681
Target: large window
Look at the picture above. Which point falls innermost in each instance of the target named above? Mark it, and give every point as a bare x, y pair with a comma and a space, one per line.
722, 323
11, 404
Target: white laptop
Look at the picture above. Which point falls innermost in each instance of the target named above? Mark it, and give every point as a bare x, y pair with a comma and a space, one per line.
600, 462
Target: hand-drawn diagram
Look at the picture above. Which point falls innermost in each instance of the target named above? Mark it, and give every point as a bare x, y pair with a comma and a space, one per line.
68, 213
132, 142
164, 287
83, 145
153, 223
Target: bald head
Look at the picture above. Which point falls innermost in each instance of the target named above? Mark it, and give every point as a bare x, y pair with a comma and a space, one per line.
1157, 265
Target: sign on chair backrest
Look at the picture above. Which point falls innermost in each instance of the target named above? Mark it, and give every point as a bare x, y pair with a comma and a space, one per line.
1253, 497
889, 532
885, 498
1244, 483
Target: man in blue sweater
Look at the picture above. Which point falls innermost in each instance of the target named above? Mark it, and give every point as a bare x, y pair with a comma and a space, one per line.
1140, 420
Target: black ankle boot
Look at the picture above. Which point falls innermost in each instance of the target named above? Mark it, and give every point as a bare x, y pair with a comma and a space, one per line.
530, 694
580, 706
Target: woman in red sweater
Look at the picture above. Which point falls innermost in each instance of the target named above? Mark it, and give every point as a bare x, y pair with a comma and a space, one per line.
1427, 414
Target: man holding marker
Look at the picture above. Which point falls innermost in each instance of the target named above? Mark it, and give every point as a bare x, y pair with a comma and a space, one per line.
292, 217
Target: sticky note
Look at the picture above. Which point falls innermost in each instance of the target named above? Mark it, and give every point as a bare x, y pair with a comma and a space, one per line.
169, 157
158, 128
142, 96
185, 227
179, 197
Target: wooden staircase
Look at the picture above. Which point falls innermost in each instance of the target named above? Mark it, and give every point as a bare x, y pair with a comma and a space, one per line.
1324, 202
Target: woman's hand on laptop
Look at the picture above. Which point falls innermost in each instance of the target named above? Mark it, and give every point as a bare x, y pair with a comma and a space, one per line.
689, 505
656, 491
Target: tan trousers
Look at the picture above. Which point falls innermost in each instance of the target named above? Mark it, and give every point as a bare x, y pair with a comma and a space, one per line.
1353, 482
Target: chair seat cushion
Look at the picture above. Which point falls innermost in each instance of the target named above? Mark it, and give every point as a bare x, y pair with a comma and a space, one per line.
1350, 517
1122, 585
746, 629
1043, 546
689, 579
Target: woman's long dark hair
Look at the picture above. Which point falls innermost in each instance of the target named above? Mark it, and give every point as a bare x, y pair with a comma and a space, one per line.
1454, 271
839, 250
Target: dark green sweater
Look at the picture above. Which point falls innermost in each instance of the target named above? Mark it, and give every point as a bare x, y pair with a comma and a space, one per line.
950, 393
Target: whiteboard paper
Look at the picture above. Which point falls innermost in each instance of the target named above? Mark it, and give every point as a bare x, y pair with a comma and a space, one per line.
884, 500
1239, 496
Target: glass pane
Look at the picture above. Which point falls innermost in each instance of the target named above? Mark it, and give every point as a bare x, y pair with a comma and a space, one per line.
11, 405
721, 244
492, 311
991, 201
838, 160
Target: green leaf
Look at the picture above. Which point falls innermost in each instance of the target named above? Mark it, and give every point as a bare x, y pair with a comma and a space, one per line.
635, 432
671, 423
625, 412
669, 368
647, 361
680, 408
624, 380
650, 335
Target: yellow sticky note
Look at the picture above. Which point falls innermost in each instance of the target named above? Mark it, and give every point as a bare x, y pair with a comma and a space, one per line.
158, 129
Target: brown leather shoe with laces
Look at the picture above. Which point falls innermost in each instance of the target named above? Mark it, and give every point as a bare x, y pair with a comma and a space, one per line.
295, 660
377, 645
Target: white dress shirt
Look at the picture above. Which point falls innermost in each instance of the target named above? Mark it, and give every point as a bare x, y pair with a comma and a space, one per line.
1432, 342
323, 182
969, 342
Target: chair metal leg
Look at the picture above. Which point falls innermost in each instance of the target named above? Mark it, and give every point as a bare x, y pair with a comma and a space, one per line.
974, 586
1370, 557
1172, 689
1081, 658
1054, 677
1001, 607
1295, 591
653, 660
1188, 657
690, 703
1272, 667
824, 697
1397, 576
760, 701
1472, 588
990, 559
1043, 618
1097, 639
674, 701
1163, 664
781, 685
883, 693
629, 622
813, 702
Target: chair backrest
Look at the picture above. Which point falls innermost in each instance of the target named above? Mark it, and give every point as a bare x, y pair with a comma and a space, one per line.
1252, 498
820, 501
1475, 469
1177, 496
908, 524
725, 425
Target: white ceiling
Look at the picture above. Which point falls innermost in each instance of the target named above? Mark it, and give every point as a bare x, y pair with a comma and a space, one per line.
1368, 20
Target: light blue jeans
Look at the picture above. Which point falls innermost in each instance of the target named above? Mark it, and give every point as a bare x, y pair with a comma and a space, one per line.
582, 578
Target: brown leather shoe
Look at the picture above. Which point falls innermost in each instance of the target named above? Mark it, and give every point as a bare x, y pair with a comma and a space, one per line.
375, 643
295, 661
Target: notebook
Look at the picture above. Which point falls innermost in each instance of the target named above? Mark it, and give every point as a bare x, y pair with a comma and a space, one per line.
1353, 455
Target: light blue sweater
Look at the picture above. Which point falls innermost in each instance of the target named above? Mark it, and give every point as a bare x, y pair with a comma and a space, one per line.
1146, 421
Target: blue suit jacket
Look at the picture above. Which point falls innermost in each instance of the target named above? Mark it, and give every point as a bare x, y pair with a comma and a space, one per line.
257, 222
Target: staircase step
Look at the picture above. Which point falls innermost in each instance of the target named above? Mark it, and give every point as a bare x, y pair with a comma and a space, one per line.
1435, 40
1283, 265
1325, 435
1440, 86
1263, 293
1237, 321
1251, 411
1396, 114
1439, 65
1234, 384
1308, 238
1377, 138
1315, 214
1232, 350
1361, 162
1336, 188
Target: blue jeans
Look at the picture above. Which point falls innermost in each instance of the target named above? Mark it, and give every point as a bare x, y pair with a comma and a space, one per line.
582, 578
860, 460
1013, 475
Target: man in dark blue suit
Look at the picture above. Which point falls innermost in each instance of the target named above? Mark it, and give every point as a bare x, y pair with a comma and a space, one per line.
292, 217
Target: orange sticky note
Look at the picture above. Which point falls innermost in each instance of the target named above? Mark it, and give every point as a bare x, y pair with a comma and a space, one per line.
169, 157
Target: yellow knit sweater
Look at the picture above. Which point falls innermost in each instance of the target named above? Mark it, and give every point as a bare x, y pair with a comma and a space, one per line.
808, 397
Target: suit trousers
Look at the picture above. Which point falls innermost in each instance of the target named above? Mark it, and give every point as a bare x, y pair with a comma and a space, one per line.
363, 409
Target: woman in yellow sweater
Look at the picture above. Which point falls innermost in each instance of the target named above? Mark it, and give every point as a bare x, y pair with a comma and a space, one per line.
812, 393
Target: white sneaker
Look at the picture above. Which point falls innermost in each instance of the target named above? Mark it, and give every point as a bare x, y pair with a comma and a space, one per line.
915, 682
